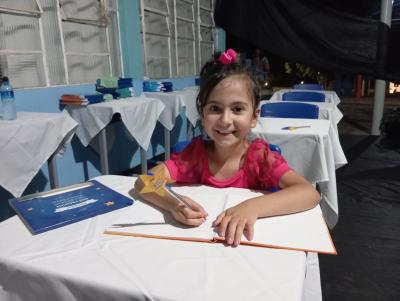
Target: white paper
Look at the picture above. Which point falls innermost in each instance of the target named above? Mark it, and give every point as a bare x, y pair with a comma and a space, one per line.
146, 219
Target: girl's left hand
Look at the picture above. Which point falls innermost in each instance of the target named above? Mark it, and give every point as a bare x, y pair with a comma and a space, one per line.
235, 221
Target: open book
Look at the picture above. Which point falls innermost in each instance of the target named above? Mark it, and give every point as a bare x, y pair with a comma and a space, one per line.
304, 231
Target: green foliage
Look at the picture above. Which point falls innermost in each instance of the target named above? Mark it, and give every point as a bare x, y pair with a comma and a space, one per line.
305, 72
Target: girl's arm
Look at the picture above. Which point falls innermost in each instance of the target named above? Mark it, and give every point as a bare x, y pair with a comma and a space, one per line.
194, 215
296, 195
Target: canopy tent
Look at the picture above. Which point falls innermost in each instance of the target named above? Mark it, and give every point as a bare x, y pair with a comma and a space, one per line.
341, 36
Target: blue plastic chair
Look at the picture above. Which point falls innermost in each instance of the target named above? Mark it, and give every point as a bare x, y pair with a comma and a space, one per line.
309, 87
275, 148
179, 146
304, 96
287, 109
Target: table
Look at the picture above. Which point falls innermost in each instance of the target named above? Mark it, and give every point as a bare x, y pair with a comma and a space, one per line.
27, 143
139, 114
79, 262
330, 96
174, 101
314, 152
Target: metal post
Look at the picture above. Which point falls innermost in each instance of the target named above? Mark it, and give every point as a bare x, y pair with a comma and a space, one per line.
103, 152
52, 164
190, 130
167, 143
380, 85
379, 103
143, 160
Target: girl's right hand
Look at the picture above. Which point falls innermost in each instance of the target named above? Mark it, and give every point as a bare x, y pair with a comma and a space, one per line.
194, 215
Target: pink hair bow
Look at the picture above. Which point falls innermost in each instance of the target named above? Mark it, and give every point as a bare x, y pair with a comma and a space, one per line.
227, 57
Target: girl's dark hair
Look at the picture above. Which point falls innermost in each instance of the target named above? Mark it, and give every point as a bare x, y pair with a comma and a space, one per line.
213, 72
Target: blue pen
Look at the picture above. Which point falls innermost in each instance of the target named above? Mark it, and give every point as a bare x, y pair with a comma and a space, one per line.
292, 128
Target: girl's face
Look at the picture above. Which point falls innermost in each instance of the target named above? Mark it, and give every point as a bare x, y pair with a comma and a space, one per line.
229, 114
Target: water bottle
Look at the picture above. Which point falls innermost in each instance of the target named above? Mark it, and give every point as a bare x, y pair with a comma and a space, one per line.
7, 99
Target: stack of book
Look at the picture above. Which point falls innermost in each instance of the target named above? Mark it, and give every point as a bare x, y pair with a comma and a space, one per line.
73, 100
116, 87
95, 98
125, 87
167, 86
152, 86
156, 86
125, 83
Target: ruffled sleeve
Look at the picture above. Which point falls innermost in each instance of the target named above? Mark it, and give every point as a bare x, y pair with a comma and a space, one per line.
186, 166
264, 168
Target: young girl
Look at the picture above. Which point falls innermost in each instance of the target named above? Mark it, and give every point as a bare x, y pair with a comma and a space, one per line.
228, 103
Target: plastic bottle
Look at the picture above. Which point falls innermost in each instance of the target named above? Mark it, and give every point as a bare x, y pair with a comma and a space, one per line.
7, 99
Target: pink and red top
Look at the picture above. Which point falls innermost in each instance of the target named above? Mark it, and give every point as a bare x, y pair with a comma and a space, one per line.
262, 168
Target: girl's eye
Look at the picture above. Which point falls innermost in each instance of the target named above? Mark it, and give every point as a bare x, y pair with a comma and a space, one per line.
238, 109
213, 108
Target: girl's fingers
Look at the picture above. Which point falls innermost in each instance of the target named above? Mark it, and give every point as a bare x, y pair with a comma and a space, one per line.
194, 221
234, 231
218, 219
249, 231
190, 217
238, 233
196, 207
222, 225
189, 213
190, 221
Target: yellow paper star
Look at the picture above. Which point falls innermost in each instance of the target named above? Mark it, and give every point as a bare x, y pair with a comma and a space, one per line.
155, 183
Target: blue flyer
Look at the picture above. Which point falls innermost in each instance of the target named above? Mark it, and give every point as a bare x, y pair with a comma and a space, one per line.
56, 208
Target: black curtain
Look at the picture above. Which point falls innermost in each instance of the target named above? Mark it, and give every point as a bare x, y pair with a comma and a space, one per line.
338, 36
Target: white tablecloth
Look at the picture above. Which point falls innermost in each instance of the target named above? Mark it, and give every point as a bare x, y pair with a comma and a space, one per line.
314, 152
330, 96
139, 114
27, 143
174, 102
79, 262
